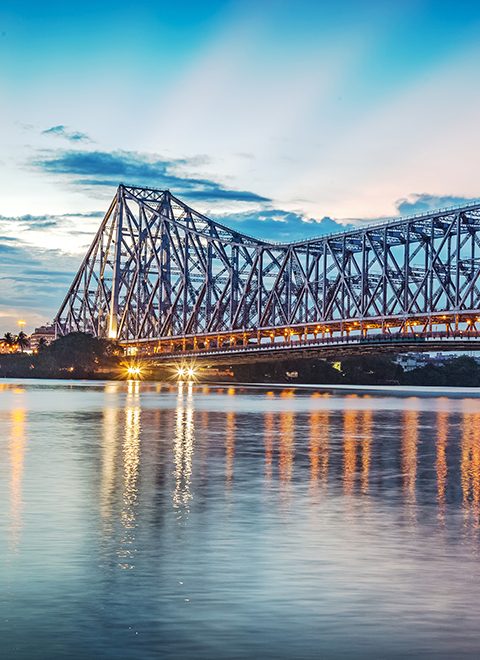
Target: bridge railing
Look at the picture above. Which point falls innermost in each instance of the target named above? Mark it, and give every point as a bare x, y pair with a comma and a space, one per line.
389, 339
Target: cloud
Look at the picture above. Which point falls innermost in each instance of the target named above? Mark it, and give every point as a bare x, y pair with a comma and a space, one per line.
424, 203
11, 255
103, 168
280, 226
33, 282
62, 131
46, 221
11, 239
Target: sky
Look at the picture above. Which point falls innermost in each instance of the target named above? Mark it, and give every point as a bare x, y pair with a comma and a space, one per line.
283, 119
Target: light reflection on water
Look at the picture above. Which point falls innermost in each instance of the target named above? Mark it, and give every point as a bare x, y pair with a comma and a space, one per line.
183, 448
150, 520
441, 461
131, 462
17, 456
470, 465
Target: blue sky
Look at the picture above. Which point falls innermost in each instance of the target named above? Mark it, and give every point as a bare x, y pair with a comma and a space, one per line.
284, 119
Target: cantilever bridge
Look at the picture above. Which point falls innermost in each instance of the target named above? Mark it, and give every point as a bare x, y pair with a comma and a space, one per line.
165, 280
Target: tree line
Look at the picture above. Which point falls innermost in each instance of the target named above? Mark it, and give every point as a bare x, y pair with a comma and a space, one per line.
77, 355
461, 371
16, 342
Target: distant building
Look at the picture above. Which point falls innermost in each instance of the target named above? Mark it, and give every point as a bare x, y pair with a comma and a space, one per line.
44, 334
409, 361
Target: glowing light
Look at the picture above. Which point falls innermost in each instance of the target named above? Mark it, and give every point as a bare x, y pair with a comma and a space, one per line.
184, 372
134, 371
112, 334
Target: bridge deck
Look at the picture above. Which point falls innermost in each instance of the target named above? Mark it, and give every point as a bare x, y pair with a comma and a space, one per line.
328, 347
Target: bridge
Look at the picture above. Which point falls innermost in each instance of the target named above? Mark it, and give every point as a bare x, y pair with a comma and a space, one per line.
166, 282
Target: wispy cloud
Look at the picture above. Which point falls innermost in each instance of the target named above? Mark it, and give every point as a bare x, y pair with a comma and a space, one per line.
64, 132
424, 202
46, 221
279, 225
33, 282
105, 168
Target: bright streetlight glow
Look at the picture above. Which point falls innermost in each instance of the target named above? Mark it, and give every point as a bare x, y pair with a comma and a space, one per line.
187, 373
134, 372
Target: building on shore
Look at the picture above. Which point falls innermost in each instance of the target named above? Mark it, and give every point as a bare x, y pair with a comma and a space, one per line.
410, 361
45, 334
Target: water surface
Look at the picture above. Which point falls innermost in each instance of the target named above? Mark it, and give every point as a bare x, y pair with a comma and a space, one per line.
142, 520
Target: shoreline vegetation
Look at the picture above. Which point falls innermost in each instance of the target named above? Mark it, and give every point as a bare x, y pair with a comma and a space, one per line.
79, 355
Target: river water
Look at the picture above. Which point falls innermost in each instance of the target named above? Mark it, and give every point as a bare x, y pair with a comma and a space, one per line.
141, 520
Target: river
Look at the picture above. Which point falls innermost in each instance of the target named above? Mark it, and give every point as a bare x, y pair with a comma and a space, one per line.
145, 520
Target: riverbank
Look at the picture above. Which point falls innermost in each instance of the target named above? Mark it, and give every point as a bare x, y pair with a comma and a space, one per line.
82, 356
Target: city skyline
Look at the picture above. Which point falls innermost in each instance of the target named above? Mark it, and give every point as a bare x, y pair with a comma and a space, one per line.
283, 120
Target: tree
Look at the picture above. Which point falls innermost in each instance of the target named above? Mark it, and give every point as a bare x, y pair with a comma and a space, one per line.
9, 339
371, 370
42, 343
22, 341
78, 354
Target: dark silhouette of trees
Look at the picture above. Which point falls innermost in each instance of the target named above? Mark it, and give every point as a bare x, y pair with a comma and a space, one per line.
9, 339
462, 371
77, 355
22, 341
42, 343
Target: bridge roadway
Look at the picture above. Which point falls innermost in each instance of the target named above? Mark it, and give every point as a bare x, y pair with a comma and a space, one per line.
326, 347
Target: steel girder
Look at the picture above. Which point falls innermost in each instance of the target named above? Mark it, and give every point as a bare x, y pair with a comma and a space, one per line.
158, 269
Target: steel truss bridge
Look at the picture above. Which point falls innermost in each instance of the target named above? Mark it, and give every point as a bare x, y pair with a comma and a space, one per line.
166, 281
